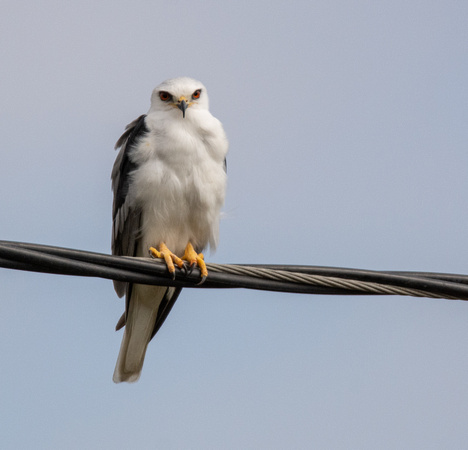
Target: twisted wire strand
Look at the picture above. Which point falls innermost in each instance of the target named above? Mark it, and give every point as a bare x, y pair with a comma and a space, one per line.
295, 279
326, 281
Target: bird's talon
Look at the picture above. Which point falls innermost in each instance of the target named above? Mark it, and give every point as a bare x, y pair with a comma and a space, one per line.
190, 268
187, 263
154, 253
201, 281
195, 259
169, 258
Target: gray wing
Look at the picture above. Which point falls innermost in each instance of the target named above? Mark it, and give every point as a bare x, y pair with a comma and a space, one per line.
125, 216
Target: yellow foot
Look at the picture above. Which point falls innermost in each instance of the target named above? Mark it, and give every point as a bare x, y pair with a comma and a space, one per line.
194, 258
168, 256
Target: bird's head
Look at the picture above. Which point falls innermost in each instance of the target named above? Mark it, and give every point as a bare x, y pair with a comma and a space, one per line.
179, 94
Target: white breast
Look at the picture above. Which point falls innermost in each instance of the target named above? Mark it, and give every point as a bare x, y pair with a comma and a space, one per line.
180, 183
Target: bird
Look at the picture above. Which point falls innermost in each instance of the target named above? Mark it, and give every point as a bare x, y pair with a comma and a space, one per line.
169, 183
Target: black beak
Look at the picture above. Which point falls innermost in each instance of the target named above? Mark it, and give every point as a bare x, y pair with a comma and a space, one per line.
183, 107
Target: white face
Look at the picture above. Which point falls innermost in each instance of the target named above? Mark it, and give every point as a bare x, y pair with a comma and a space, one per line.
179, 95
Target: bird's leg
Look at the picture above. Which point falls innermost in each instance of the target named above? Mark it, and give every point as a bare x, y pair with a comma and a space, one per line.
169, 257
194, 258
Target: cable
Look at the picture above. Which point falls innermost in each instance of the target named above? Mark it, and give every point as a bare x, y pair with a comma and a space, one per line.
295, 279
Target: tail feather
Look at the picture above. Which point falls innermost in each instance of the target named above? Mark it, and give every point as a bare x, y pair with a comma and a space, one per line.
141, 318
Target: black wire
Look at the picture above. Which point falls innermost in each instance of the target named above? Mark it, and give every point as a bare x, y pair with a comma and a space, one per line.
58, 260
39, 258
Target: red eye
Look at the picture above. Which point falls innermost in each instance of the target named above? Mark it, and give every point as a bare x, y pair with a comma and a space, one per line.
196, 94
164, 96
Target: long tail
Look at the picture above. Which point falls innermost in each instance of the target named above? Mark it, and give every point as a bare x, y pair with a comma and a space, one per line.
141, 318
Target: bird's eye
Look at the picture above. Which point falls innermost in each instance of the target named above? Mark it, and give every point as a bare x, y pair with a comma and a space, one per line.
196, 94
164, 96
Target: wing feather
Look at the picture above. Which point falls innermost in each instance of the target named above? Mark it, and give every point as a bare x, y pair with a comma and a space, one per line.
125, 217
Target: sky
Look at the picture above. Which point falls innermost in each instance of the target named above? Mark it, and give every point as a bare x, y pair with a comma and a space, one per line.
348, 148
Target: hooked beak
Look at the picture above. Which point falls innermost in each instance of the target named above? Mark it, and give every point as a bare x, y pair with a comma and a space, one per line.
182, 105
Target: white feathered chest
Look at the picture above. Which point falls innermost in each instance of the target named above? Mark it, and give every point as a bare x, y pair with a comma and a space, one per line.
180, 181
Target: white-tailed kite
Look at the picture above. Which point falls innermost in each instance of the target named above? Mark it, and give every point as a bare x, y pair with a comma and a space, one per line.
169, 182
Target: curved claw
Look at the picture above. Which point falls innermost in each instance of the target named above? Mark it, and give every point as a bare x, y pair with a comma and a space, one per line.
190, 268
195, 260
169, 258
204, 277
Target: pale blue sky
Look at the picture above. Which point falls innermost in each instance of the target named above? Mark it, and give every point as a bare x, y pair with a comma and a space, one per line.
348, 133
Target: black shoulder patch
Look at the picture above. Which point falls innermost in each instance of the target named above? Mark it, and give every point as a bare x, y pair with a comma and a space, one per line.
134, 131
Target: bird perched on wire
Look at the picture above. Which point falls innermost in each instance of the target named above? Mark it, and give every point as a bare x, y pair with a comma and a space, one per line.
169, 182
